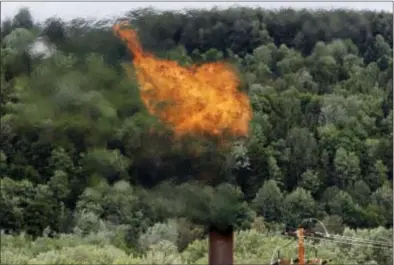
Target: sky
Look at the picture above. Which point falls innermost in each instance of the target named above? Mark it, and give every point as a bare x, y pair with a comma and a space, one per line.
70, 10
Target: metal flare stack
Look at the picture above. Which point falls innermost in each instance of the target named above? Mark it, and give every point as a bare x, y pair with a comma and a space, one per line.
221, 247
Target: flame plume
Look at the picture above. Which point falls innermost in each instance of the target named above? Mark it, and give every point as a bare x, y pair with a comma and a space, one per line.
197, 100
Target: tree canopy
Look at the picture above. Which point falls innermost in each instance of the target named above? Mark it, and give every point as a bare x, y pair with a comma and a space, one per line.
79, 150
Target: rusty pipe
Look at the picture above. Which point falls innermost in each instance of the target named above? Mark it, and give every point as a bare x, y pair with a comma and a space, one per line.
221, 247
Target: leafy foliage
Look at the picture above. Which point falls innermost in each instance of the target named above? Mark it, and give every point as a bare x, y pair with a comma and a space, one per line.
90, 176
251, 247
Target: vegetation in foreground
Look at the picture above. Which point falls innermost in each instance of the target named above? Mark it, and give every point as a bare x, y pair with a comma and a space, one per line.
253, 246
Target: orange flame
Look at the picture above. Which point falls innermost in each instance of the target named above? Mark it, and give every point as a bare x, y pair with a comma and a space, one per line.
197, 100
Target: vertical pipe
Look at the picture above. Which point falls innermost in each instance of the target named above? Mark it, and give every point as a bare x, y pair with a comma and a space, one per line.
221, 247
301, 250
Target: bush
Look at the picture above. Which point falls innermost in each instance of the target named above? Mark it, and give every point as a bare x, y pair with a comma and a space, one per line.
158, 232
221, 207
82, 254
250, 247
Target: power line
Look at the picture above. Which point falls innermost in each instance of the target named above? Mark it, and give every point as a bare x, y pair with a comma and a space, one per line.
324, 236
353, 243
361, 240
342, 238
349, 242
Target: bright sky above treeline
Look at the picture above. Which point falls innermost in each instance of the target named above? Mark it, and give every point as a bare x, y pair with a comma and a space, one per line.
70, 10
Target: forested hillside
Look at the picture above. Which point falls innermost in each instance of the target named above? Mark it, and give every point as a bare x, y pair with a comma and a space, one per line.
87, 171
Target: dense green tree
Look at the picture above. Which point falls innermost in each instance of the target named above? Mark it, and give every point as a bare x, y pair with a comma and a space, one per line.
343, 204
383, 198
303, 152
377, 176
298, 206
347, 167
269, 201
23, 19
310, 181
80, 152
54, 30
359, 191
